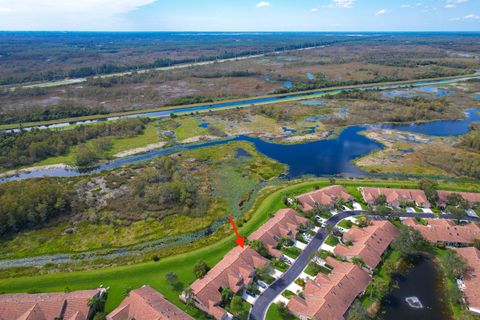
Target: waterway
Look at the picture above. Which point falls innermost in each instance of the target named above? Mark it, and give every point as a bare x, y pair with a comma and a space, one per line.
418, 295
248, 102
319, 158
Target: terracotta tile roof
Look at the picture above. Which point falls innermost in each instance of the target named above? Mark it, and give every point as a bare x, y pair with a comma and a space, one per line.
46, 306
284, 223
395, 196
235, 270
325, 196
472, 277
445, 230
330, 296
470, 197
146, 303
368, 243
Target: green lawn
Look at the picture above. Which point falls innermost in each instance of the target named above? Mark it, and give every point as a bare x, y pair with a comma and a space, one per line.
288, 294
332, 241
313, 269
274, 313
346, 224
280, 265
153, 273
292, 252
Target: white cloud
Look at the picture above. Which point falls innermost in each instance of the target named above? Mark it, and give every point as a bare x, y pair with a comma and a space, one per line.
65, 14
454, 3
411, 6
381, 12
340, 4
263, 4
470, 16
314, 10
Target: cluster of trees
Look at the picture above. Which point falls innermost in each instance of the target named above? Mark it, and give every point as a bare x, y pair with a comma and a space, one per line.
32, 203
26, 147
159, 190
51, 113
471, 140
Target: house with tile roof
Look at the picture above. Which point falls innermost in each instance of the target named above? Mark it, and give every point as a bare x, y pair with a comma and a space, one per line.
48, 306
446, 231
471, 279
235, 271
323, 197
395, 197
471, 197
330, 296
146, 303
367, 243
284, 224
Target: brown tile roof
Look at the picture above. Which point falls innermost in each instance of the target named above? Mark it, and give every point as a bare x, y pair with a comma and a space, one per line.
368, 243
235, 270
325, 196
147, 304
395, 196
445, 230
472, 276
470, 197
46, 306
330, 296
284, 223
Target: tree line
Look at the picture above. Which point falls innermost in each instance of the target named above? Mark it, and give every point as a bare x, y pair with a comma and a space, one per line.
27, 147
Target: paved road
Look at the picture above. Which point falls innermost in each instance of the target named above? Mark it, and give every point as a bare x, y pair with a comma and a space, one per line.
261, 305
263, 302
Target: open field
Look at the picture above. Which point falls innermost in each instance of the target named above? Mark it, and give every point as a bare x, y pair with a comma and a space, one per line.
153, 273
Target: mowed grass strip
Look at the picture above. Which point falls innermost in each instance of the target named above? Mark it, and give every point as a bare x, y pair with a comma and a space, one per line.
153, 273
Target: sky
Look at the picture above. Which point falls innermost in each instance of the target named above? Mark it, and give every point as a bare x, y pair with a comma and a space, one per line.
240, 15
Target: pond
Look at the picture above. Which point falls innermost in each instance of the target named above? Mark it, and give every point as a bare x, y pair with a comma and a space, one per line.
319, 158
418, 295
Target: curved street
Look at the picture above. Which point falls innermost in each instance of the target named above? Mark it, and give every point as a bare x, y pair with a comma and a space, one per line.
263, 302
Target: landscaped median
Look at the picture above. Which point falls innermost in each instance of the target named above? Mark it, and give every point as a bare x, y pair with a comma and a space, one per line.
212, 250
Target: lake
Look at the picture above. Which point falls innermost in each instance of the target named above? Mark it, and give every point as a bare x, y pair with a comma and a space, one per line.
421, 282
319, 158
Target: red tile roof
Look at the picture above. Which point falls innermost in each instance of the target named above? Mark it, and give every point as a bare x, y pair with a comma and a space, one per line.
445, 230
368, 243
470, 197
472, 277
46, 306
395, 196
147, 304
326, 196
235, 270
285, 223
330, 296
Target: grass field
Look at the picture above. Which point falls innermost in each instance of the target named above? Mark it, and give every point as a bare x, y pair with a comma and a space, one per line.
153, 273
149, 136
